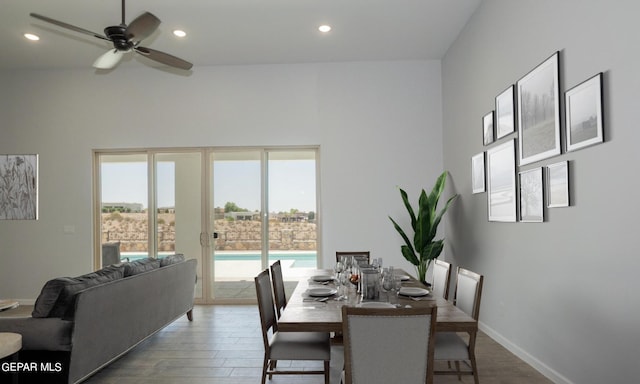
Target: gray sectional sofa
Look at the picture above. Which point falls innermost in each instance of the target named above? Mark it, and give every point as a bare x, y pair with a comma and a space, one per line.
79, 325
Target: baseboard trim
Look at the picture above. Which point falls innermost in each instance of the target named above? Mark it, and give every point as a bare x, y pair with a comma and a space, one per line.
544, 369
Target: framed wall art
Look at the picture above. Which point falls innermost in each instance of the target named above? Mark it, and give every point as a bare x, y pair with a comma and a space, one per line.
487, 128
505, 113
477, 173
501, 182
538, 112
557, 183
18, 187
531, 196
583, 114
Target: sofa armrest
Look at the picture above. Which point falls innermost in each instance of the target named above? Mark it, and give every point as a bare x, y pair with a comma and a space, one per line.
40, 334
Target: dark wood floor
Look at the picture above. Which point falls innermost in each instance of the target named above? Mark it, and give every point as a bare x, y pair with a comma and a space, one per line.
223, 345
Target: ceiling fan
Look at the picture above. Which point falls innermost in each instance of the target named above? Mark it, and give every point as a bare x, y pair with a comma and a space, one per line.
125, 38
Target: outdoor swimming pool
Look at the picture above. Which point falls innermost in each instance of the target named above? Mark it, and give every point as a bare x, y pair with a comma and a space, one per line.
300, 259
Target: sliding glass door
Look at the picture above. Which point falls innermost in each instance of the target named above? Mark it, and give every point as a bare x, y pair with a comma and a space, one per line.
149, 205
264, 210
234, 210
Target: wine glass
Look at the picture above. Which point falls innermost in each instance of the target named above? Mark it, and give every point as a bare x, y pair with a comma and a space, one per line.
387, 279
339, 268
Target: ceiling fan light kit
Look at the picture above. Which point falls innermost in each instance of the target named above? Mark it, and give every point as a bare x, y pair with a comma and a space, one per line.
125, 38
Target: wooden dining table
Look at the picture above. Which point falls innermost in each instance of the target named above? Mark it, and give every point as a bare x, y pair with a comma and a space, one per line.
304, 314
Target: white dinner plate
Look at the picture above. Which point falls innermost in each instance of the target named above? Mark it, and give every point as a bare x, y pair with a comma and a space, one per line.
413, 291
375, 304
322, 278
321, 292
404, 278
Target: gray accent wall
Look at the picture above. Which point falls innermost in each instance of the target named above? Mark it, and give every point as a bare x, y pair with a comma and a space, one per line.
560, 294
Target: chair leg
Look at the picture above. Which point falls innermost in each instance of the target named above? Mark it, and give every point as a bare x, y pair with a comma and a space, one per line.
326, 372
272, 367
474, 369
458, 370
265, 365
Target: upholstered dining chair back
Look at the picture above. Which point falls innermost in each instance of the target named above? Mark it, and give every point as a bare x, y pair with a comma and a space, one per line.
110, 253
388, 345
268, 321
287, 345
450, 346
468, 291
279, 294
441, 276
360, 256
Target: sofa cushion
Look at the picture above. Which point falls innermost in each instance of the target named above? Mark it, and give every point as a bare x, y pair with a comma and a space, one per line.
139, 266
57, 294
171, 259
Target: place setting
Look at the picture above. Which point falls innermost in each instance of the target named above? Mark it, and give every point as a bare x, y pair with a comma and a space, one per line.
415, 293
319, 294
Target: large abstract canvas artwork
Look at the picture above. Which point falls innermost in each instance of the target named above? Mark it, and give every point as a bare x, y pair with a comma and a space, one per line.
18, 187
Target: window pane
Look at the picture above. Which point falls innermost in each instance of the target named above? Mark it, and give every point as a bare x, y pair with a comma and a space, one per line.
123, 181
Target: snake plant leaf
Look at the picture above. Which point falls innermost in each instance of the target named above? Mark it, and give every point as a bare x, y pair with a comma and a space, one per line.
410, 255
407, 204
404, 236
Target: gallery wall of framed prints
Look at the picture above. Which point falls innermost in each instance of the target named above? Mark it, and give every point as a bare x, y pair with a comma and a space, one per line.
529, 126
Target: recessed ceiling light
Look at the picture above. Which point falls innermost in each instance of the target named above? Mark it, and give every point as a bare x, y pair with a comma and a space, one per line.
324, 28
180, 33
32, 37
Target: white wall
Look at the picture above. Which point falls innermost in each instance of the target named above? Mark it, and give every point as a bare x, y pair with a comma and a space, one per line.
561, 294
378, 125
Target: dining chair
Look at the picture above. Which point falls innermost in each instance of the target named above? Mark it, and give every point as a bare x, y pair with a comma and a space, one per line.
360, 256
279, 294
388, 345
287, 345
450, 346
111, 254
441, 276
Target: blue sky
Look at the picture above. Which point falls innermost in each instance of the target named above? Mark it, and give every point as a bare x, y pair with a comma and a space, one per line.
291, 184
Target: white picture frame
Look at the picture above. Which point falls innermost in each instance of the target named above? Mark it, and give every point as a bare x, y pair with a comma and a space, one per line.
531, 196
505, 113
583, 114
19, 187
538, 112
478, 173
487, 128
501, 182
557, 185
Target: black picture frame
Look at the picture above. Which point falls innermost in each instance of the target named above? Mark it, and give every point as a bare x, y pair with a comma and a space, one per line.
501, 182
557, 185
478, 173
538, 111
487, 128
505, 113
531, 195
583, 114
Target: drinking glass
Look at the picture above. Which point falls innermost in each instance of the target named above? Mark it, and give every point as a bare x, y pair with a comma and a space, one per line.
387, 279
339, 268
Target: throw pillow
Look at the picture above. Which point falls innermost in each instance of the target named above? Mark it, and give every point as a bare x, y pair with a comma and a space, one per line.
58, 294
171, 259
139, 266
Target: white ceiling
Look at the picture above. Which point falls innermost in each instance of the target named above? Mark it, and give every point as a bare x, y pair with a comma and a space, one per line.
226, 32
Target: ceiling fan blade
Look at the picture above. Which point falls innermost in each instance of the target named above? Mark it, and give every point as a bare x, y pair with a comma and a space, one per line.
109, 59
68, 26
164, 58
141, 27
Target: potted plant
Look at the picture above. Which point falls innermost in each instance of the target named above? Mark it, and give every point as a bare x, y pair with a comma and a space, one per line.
424, 249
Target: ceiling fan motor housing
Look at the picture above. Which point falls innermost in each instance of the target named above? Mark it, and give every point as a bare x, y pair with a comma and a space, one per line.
117, 35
